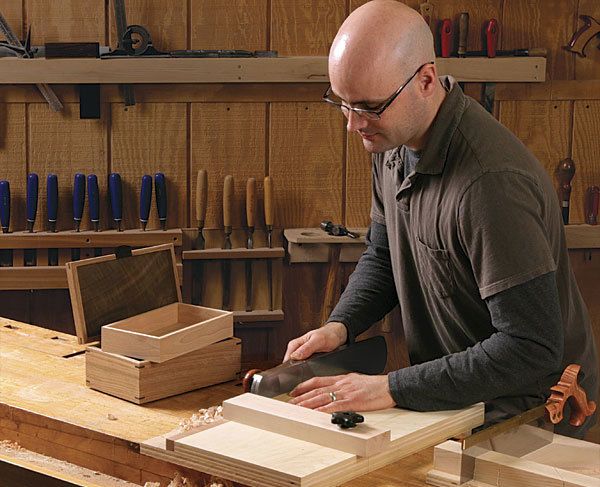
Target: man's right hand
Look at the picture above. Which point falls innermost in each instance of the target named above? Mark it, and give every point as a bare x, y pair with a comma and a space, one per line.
324, 339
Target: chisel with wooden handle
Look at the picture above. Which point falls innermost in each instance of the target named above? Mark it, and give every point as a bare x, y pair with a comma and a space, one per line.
145, 200
94, 200
226, 264
6, 255
199, 242
52, 211
160, 184
463, 33
250, 214
30, 255
268, 196
78, 204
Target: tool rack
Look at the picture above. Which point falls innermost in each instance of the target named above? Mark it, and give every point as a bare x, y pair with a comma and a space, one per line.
20, 277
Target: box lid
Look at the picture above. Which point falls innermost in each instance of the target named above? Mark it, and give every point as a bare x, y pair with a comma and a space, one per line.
109, 288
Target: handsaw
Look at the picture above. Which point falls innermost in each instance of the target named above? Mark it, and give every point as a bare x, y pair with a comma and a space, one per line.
566, 389
366, 357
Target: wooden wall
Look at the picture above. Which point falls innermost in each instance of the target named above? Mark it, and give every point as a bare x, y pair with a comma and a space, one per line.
252, 130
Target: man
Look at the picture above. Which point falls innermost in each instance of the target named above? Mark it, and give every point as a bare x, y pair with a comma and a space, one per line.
466, 236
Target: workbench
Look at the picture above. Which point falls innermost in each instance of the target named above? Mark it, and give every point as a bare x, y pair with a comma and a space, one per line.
46, 407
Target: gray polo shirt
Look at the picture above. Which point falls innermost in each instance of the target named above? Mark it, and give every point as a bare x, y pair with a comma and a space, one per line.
477, 217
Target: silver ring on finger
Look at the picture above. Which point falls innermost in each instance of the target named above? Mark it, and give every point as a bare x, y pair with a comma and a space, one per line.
332, 396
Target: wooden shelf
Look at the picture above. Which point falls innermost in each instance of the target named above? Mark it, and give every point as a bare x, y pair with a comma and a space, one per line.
234, 254
308, 69
583, 236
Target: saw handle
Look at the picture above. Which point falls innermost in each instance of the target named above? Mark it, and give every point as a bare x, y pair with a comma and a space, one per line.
247, 380
567, 387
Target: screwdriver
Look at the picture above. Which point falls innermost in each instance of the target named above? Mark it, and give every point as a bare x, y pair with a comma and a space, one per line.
115, 188
145, 200
94, 200
52, 207
160, 184
78, 203
6, 255
30, 255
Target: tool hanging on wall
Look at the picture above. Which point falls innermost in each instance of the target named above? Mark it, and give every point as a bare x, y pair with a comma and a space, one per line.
250, 214
337, 230
6, 255
226, 264
52, 210
160, 183
121, 22
463, 33
565, 173
94, 202
268, 201
592, 201
78, 204
492, 30
30, 255
581, 38
145, 200
446, 38
199, 242
115, 189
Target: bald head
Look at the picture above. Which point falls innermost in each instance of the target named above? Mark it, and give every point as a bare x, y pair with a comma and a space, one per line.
382, 38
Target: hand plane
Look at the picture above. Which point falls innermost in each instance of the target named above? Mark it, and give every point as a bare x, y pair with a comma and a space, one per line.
365, 357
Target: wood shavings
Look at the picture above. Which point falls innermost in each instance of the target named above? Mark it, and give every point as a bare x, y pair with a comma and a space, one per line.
152, 484
204, 416
10, 446
111, 417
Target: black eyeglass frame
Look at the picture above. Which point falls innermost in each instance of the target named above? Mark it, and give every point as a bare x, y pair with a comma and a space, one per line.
376, 111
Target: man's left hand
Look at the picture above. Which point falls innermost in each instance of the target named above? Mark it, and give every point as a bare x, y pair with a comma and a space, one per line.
352, 392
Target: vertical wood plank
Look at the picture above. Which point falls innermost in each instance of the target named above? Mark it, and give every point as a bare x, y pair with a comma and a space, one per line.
305, 28
229, 24
358, 183
12, 10
541, 23
306, 163
148, 139
587, 67
166, 20
543, 126
65, 20
62, 144
586, 154
13, 159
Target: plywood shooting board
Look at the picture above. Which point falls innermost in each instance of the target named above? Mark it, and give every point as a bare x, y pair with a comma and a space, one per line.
255, 456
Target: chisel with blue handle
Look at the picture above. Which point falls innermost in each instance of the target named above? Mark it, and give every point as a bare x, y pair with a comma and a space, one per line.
145, 200
52, 207
78, 203
94, 202
160, 184
6, 255
115, 189
30, 255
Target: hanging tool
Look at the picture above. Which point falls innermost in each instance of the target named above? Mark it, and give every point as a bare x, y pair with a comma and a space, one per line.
426, 10
121, 21
199, 243
592, 200
24, 52
160, 183
6, 255
250, 215
268, 196
365, 357
446, 37
115, 189
52, 210
463, 33
567, 389
337, 230
145, 200
78, 204
492, 30
94, 201
581, 38
565, 172
226, 264
30, 255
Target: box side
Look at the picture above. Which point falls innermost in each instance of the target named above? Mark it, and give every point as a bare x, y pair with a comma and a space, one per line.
216, 363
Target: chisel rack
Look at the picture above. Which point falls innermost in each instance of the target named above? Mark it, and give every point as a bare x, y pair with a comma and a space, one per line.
43, 276
203, 275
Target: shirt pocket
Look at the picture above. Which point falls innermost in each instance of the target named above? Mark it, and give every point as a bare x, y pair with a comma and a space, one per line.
435, 269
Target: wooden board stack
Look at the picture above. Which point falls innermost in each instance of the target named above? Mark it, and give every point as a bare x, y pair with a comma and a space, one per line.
153, 345
266, 442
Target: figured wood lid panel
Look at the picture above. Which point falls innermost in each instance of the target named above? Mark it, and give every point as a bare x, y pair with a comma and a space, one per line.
115, 289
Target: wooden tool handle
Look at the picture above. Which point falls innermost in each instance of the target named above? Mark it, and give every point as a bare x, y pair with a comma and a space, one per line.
538, 52
250, 201
592, 202
463, 33
201, 195
566, 388
227, 200
268, 201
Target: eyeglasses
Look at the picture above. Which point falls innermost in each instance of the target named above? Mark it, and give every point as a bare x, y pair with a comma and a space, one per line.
370, 113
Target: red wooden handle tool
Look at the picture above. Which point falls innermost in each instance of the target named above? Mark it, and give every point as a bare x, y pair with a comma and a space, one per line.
491, 37
568, 388
446, 37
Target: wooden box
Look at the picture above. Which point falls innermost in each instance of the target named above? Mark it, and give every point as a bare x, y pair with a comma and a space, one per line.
153, 345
